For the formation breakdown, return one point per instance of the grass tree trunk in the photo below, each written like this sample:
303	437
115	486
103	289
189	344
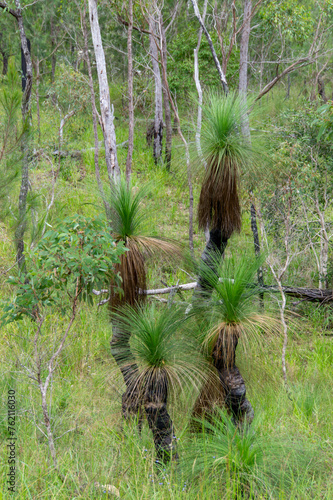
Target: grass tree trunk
224	356
158	119
159	421
107	117
212	253
131	401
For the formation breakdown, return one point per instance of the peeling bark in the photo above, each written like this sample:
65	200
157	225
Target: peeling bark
107	116
94	116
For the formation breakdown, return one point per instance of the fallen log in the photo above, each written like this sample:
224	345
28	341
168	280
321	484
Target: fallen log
307	294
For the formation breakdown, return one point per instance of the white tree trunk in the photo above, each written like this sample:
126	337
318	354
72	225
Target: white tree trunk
243	64
198	84
324	240
107	116
211	46
130	93
158	120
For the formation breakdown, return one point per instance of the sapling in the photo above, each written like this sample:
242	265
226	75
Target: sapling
64	267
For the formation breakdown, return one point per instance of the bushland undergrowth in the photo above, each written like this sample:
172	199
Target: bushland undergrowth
289	451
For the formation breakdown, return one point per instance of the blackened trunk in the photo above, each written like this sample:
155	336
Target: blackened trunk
224	355
158	119
120	350
211	255
24	65
321	89
256	242
159	421
4	63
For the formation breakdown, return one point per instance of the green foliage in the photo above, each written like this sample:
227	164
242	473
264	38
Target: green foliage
226	153
293	19
325	122
127	211
160	344
233	283
247	462
221	137
69	90
181	62
66	263
224	450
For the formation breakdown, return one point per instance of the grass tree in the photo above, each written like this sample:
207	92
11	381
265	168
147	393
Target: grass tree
161	357
232	317
130	226
250	463
225	153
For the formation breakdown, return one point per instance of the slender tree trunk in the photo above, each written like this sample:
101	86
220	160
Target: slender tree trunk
37	96
48	425
321	89
245	125
94	116
26	102
254	228
166	102
158	119
198	84
324	242
187	155
24	65
53	57
107	117
243	64
211	46
130	93
4	63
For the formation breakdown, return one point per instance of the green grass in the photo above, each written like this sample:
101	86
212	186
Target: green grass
86	387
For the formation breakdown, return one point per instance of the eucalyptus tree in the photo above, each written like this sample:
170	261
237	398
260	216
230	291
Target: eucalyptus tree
17	13
155	56
107	112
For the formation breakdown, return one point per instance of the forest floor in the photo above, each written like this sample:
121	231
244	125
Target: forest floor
99	455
